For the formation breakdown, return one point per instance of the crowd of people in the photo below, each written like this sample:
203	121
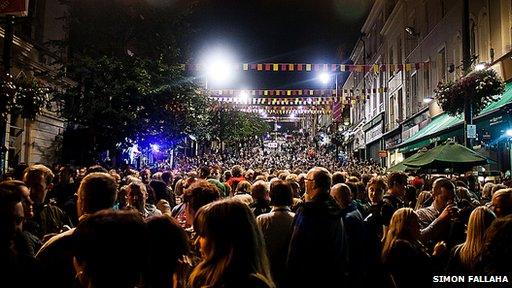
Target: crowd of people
287	218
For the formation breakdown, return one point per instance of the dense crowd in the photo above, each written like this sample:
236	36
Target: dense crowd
287	218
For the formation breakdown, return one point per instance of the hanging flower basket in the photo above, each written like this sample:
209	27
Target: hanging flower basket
31	97
479	88
7	95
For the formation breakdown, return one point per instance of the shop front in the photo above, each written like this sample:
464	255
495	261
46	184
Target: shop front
373	131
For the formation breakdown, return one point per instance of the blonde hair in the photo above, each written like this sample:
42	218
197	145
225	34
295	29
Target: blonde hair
422	197
399	228
479	220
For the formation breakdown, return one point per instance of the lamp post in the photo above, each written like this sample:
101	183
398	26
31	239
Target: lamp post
466	64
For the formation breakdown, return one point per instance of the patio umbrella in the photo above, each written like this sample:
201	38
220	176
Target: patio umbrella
449	155
402	166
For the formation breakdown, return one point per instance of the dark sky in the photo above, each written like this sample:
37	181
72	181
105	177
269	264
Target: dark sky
314	31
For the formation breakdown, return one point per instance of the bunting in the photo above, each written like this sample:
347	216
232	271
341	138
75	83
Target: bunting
309	67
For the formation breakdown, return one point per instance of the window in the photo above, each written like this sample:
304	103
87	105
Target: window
399	45
414	92
392	121
400	105
442	66
472	37
381	91
391	61
426	78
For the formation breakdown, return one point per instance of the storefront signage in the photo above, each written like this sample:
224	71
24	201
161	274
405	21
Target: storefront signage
383	153
374	133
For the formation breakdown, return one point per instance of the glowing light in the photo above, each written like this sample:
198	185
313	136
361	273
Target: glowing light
155	148
244	97
508	132
325	78
480	66
427	100
219	65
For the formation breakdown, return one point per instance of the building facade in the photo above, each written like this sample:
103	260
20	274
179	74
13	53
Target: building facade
33	55
401	33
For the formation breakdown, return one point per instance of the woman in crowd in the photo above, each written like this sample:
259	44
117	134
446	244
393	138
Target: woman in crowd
232	246
464	256
403	255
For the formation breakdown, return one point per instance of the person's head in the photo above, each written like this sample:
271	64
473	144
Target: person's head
376	188
342	194
318	181
404	225
479	220
497	250
38	179
160	190
443	193
197	195
204	172
396	183
502	202
167	177
249	174
487	190
11	216
231	244
22	189
337	177
96	168
243	187
137	195
168	242
236	171
422	198
281	193
110	249
259	191
96	192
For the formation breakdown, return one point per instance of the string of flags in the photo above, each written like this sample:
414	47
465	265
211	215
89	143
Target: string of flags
293	92
309	67
286	110
276	101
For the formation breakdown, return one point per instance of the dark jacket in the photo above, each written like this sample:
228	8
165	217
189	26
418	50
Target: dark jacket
409	265
317	253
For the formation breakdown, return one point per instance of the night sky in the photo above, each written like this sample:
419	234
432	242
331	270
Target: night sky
314	31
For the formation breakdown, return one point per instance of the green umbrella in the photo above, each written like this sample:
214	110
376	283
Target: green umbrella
402	166
449	155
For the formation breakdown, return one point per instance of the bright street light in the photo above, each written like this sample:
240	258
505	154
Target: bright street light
219	67
324	77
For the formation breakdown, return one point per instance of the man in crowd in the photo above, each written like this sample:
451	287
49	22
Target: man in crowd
48	218
96	192
393	199
434	220
317	256
277	228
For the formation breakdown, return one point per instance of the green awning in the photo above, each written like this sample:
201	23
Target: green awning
443	126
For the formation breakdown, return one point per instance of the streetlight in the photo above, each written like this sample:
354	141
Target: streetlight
324	78
219	67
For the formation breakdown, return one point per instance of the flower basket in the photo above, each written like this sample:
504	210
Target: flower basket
30	98
7	95
479	88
